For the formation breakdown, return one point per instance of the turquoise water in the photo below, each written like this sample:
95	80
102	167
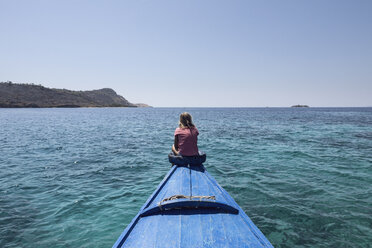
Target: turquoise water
76	177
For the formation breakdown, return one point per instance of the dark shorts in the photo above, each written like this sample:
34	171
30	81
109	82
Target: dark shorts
187	160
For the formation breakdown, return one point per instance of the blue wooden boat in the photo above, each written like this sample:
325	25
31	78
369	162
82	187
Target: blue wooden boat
190	209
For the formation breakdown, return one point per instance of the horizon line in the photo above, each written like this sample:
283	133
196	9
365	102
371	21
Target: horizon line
263	107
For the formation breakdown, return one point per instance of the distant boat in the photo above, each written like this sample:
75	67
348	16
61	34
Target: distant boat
190	209
300	106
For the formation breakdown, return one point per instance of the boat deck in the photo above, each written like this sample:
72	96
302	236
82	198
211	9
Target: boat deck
191	222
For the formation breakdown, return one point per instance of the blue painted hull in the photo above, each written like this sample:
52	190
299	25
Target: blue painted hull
214	220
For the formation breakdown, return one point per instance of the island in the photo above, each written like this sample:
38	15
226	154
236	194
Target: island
299	106
142	105
14	95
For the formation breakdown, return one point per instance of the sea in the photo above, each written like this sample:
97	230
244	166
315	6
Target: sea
75	177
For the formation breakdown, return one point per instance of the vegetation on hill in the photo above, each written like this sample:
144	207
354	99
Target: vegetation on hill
37	96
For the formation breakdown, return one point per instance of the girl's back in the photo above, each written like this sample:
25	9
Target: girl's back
186	137
187	141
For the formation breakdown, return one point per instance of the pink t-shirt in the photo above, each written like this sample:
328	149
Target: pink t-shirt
187	141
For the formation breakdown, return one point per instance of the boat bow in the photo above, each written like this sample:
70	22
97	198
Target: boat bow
190	209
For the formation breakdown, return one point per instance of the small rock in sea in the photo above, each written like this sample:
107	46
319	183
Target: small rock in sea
300	106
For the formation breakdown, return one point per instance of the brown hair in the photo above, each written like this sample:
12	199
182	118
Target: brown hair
186	121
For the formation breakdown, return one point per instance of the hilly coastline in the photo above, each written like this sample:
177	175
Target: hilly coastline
37	96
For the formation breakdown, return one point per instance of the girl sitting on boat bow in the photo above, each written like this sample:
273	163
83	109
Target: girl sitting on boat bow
186	137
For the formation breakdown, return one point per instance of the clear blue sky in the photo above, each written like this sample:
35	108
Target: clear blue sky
205	53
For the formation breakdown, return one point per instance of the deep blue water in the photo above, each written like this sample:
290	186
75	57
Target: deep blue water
76	177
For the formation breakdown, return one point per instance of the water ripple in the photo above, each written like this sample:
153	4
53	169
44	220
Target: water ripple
76	177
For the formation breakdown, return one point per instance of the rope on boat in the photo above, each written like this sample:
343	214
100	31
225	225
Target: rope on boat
175	197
